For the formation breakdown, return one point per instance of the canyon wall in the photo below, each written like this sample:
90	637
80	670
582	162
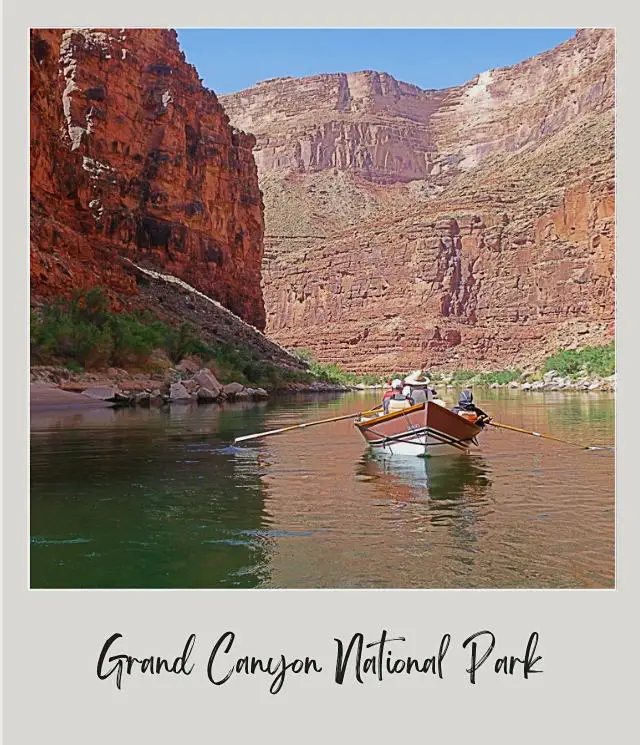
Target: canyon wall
132	157
365	122
389	131
471	227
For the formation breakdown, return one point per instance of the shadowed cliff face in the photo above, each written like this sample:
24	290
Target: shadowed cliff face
132	156
467	227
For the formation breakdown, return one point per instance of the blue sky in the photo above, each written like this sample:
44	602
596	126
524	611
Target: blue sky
231	59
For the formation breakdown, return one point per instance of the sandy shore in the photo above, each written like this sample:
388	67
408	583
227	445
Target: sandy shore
49	397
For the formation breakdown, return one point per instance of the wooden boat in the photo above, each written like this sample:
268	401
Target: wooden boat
424	429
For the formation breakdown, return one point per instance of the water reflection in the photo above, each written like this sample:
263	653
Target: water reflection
447	492
145	498
443	477
162	498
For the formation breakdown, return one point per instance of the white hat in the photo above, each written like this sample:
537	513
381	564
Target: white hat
417	378
397	383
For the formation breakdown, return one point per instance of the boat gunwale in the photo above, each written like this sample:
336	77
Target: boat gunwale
388	417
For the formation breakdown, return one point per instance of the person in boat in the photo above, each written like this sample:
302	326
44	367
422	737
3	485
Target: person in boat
396	401
465	405
388	393
418	387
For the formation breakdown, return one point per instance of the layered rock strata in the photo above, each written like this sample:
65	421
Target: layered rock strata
488	243
132	156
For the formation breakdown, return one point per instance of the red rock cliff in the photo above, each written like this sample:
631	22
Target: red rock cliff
472	227
132	156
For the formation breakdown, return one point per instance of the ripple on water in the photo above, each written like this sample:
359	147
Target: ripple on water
169	501
37	540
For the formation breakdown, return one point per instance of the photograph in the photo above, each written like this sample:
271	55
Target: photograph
322	308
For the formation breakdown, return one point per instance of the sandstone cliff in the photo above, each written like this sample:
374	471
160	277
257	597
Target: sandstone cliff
132	157
471	227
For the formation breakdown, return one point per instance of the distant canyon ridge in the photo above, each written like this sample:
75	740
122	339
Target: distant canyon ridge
466	227
380	225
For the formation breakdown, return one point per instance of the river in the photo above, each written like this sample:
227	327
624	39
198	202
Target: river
159	498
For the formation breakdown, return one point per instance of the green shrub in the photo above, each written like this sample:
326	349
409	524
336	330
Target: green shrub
501	377
333	373
84	332
133	339
599	360
184	341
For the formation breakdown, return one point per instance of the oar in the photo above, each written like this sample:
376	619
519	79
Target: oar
547	437
295	426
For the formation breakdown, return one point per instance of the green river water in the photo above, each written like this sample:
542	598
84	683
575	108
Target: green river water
160	498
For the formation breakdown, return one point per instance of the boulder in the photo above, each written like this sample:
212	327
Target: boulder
242	395
526	386
260	393
189	365
102	393
142	399
206	379
191	385
514	384
548	376
206	395
123	399
537	385
232	389
179	393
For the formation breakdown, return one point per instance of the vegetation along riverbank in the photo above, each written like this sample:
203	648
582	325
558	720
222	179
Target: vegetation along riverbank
80	346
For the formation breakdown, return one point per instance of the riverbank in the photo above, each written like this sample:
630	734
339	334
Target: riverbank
45	396
57	386
549	381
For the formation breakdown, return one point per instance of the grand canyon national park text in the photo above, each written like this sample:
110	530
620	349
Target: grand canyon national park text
356	658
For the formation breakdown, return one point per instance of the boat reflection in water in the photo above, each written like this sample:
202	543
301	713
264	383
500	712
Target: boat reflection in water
450	477
446	492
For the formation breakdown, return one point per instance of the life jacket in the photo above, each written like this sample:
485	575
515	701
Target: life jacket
398	403
470	416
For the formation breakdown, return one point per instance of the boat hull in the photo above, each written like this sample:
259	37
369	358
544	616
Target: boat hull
422	430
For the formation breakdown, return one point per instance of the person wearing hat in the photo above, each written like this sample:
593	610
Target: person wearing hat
396	401
418	383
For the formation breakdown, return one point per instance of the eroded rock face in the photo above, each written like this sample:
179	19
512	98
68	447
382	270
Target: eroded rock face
472	227
366	122
389	131
132	156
